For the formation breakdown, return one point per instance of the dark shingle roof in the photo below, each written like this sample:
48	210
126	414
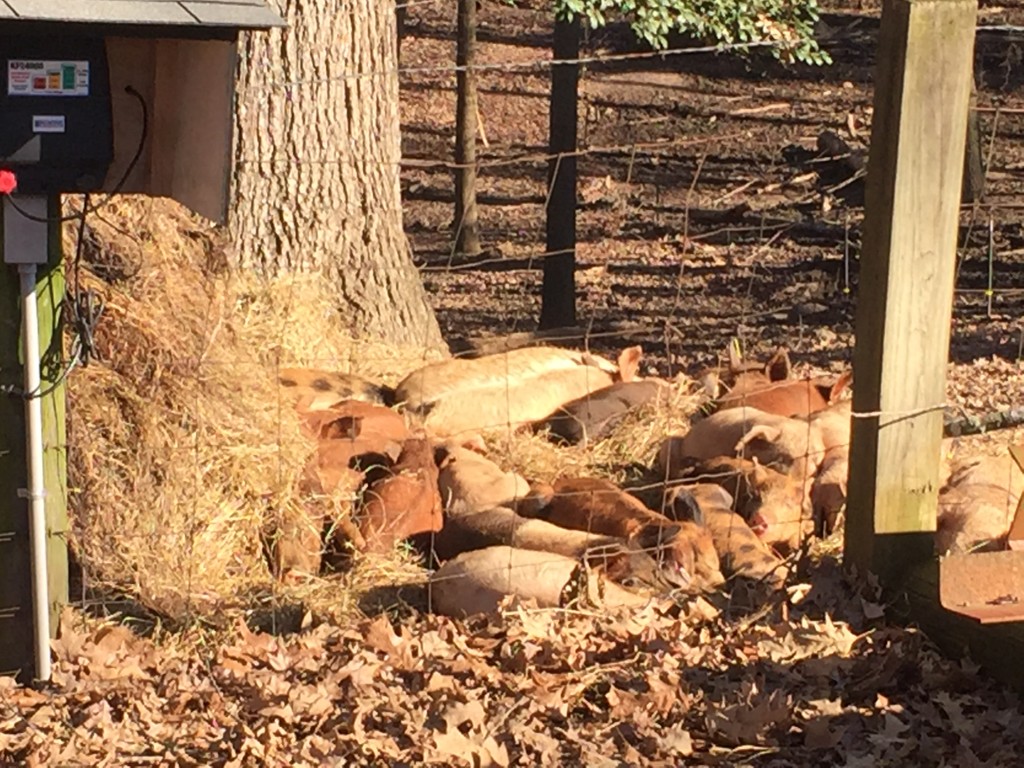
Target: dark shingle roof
247	14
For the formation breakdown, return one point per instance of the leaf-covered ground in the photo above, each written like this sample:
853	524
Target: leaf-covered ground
818	680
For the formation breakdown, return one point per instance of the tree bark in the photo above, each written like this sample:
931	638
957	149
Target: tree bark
401	9
467	230
317	150
558	293
974	166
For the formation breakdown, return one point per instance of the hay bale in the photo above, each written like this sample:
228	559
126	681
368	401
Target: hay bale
180	444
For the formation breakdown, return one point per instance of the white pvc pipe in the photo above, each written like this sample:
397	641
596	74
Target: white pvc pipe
36	488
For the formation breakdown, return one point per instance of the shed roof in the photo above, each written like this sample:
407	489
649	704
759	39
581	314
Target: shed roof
247	14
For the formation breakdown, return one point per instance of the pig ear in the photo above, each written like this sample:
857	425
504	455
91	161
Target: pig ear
654	536
759	474
711	383
610	556
537	501
841	385
778	367
629	362
442	457
474	442
683	506
342	428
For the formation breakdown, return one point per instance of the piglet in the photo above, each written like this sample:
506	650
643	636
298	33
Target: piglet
318	389
741	552
775	506
599	506
978	504
592	417
477	581
788	445
404	502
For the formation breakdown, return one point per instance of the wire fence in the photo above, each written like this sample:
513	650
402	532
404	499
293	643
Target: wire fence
190	463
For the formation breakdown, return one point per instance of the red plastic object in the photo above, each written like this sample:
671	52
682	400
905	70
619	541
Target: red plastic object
8	182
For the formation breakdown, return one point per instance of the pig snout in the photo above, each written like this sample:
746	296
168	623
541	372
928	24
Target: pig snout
784	531
759	524
677	574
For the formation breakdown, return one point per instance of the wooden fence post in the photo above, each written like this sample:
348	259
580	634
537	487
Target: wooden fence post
558	291
904	298
16	641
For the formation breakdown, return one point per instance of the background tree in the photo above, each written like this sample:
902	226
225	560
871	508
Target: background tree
558	291
317	155
973	188
467	228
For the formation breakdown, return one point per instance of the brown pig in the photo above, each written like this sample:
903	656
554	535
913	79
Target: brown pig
775	506
348	434
599	506
742	553
978	504
405	501
770	387
482	502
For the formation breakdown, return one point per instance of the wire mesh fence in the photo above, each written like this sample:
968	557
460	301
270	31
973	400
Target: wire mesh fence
713	204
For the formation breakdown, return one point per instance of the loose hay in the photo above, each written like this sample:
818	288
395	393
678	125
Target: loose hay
183	453
634	441
180	443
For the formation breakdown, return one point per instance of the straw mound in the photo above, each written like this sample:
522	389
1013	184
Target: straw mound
180	446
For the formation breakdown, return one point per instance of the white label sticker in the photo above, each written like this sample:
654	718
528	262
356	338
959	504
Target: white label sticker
32	77
47	123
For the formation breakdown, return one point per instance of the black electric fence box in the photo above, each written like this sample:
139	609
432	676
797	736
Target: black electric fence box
56	125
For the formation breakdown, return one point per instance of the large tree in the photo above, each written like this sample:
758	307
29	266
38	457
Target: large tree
317	155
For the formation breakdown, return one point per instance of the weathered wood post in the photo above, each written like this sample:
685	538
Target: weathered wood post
904	300
16	626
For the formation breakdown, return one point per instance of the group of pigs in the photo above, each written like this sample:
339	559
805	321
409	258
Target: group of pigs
733	498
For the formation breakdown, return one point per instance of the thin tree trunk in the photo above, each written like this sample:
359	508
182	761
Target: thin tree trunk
401	8
974	167
467	232
316	185
558	294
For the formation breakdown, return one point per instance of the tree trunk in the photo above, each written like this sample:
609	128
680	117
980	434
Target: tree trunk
316	183
974	167
558	294
467	231
401	8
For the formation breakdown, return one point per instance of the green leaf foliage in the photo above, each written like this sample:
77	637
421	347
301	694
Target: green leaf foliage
786	26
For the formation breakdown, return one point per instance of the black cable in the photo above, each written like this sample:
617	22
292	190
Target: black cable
117	187
84	310
85	307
